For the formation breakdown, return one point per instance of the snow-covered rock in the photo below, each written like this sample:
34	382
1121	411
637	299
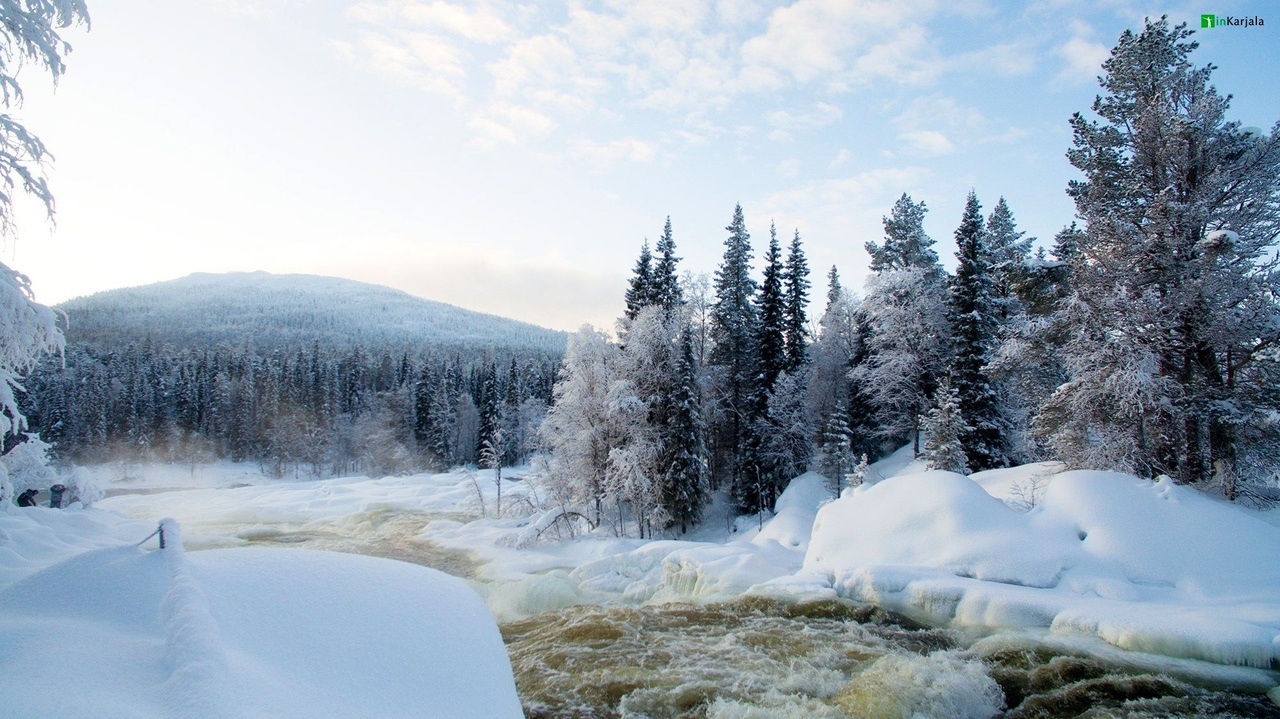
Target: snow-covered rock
1148	566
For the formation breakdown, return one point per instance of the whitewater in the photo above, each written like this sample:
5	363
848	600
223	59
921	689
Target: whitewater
1019	592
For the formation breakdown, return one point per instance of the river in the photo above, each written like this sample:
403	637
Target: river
756	658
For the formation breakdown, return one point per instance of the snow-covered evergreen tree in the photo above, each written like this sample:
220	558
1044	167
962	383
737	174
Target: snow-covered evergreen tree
770	317
684	492
734	357
905	242
974	327
640	288
785	433
666	280
1008	249
1173	315
909	335
944	428
835	458
795	287
642	401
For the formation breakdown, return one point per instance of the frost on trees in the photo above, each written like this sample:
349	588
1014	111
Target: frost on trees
579	425
28	330
906	312
974	326
734	361
944	429
1172	365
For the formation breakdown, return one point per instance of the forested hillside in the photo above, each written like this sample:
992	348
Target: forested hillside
299	373
282	311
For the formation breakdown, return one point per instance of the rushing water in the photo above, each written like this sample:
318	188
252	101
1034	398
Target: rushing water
388	533
755	658
758	659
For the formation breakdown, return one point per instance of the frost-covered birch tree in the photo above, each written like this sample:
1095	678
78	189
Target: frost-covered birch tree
578	429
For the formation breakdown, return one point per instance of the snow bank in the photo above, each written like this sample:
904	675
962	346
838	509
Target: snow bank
297	633
1146	566
197	684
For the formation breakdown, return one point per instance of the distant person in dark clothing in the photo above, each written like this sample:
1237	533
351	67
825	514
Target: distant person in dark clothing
55	496
28	498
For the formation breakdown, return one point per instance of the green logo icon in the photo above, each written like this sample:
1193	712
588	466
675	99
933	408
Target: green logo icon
1208	21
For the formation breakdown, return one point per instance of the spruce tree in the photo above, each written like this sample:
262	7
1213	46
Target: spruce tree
640	289
906	311
835	453
834	289
733	322
666	281
1009	249
943	428
796	292
771	314
489	405
685	489
974	334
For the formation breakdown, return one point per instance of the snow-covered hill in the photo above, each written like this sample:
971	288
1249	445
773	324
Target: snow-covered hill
271	311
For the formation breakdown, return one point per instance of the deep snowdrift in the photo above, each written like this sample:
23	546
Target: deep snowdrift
1146	566
125	632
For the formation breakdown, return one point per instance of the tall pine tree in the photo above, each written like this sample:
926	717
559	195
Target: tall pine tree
1173	313
796	286
974	335
640	289
770	312
685	488
734	355
666	282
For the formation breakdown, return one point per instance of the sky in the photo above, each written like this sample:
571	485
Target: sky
511	157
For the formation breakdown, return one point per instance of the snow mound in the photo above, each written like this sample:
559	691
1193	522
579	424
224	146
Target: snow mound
807	492
297	633
1146	566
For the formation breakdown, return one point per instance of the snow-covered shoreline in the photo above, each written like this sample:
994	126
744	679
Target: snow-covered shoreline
1102	563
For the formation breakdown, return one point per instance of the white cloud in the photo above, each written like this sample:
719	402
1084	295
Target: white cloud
819	116
845	44
504	122
929	142
417	60
606	154
481	23
585	67
1082	57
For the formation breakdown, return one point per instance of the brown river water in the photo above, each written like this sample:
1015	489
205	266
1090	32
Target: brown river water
758	659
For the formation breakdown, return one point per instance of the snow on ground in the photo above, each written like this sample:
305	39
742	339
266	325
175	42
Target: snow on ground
1063	556
121	631
1146	566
